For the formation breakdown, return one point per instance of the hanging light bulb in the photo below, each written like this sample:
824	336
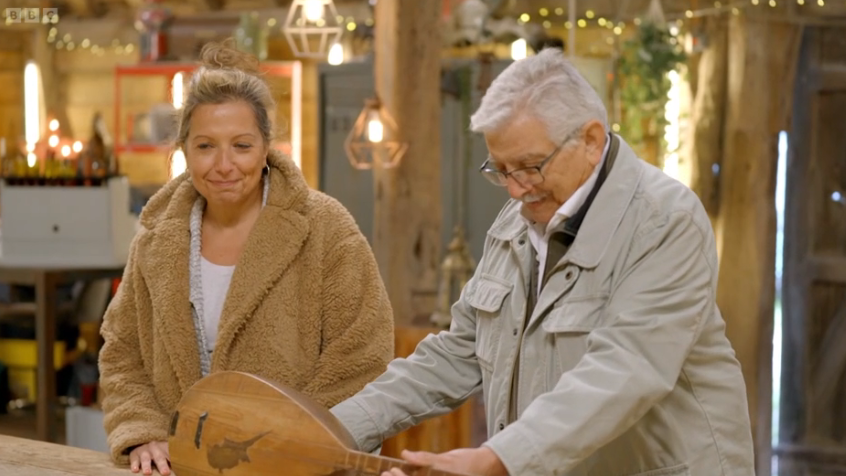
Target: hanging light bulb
313	10
375	130
519	49
336	54
312	27
374	139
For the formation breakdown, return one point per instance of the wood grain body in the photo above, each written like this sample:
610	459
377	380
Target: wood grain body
237	424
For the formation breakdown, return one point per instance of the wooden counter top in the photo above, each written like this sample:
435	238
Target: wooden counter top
23	457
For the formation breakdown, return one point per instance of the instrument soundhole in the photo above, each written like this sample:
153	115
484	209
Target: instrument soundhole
199	433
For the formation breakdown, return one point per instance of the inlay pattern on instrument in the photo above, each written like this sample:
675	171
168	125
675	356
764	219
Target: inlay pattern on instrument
237	424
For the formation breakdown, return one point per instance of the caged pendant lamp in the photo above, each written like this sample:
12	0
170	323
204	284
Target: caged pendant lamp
374	138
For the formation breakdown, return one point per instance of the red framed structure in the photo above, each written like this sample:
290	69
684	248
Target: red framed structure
285	69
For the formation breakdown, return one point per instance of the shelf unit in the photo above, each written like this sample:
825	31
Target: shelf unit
282	69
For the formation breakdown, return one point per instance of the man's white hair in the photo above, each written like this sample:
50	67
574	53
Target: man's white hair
546	86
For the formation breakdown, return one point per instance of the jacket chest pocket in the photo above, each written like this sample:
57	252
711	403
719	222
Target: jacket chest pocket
488	299
567	327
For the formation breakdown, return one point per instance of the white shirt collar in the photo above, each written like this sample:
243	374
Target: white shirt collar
571	206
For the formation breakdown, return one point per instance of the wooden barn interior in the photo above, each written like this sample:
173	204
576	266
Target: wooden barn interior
744	101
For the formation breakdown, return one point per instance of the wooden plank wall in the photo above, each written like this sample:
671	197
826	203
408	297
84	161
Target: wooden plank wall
11	87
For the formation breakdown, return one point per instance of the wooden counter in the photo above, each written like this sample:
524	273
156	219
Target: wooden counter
22	457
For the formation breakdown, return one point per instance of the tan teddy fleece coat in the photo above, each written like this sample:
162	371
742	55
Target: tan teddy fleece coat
306	307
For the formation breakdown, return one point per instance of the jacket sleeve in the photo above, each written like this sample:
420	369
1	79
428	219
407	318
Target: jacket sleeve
132	414
437	378
357	323
656	314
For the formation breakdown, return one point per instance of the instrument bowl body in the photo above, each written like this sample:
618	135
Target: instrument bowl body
237	424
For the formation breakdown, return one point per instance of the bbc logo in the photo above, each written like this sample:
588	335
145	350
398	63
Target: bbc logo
31	15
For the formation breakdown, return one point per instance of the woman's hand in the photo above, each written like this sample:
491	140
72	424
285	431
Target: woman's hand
144	457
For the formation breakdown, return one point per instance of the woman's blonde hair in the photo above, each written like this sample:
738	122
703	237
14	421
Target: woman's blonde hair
227	74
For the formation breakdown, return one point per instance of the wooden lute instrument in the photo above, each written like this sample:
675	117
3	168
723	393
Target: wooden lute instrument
237	424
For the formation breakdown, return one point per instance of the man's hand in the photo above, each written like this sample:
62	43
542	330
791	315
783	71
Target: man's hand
144	457
476	462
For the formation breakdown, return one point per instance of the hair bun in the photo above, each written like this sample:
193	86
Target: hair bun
224	55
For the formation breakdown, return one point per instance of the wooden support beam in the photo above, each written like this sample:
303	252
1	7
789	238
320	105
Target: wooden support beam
705	135
757	110
407	216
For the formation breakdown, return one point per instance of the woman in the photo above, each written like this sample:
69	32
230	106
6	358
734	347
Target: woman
238	266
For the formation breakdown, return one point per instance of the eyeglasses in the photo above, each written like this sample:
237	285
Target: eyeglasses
525	176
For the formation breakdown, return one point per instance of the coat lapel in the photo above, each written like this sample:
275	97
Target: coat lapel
262	264
167	280
274	243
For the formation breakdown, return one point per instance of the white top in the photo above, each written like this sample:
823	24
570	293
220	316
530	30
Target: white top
216	279
539	234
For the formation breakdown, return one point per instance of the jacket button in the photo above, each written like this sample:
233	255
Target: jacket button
569	275
521	242
501	426
514	332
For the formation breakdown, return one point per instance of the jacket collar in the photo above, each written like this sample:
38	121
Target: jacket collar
592	227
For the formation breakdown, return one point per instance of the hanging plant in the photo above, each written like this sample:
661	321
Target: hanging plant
644	63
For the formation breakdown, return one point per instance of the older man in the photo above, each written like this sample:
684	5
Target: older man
590	324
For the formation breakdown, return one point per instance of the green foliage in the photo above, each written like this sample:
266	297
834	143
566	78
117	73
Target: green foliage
643	66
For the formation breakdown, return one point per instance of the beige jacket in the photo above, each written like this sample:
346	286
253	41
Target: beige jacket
624	366
306	307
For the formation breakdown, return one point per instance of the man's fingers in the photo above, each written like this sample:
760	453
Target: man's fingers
419	458
394	472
